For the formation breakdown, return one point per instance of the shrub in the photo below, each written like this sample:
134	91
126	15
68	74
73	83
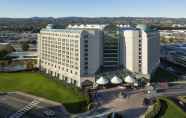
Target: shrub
76	107
25	46
5	50
153	110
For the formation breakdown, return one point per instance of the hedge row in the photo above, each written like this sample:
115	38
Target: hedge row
76	107
153	110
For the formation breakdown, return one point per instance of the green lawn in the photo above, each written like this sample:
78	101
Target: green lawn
170	110
37	84
162	75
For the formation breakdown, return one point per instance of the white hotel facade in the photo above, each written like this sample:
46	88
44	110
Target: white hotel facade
76	54
71	55
141	50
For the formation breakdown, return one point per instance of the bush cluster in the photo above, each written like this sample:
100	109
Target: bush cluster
154	110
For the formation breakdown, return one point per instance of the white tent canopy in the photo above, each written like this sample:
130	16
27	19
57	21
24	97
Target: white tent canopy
102	81
129	80
136	84
116	80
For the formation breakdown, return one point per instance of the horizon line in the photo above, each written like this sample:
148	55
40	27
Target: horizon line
94	17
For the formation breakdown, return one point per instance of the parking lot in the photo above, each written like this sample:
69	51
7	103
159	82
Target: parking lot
16	105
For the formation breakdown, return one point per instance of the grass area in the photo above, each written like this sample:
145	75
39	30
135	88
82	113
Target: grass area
37	84
162	75
169	109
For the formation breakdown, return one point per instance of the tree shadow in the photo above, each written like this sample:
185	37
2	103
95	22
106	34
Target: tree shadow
163	109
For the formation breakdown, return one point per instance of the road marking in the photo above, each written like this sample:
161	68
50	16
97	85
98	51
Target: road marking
25	109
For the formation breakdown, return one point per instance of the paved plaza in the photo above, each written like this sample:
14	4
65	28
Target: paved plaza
109	100
131	106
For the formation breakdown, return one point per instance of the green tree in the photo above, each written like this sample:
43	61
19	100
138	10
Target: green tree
5	50
25	46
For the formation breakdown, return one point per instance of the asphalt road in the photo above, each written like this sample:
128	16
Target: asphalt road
177	89
11	103
173	91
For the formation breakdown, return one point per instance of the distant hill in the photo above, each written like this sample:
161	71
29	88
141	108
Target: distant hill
34	24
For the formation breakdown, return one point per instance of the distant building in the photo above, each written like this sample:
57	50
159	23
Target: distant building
24	55
123	25
178	25
4	43
141	50
175	53
7	35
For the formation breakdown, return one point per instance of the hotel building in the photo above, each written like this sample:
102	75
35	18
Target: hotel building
141	50
111	43
76	53
73	55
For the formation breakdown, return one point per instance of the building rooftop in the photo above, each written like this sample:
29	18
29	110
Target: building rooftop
49	28
62	30
87	26
145	28
131	28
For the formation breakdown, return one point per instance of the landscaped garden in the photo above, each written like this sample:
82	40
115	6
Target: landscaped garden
169	109
38	85
164	108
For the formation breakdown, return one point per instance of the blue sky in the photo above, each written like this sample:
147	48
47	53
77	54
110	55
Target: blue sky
93	8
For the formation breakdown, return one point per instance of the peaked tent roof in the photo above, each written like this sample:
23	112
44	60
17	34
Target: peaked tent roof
129	79
102	81
116	80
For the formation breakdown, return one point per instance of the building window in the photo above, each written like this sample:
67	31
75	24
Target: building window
86	46
86	54
140	35
86	67
86	41
66	79
75	82
85	36
139	44
139	69
86	63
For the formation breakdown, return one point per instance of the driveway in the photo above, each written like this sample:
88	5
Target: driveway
110	101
